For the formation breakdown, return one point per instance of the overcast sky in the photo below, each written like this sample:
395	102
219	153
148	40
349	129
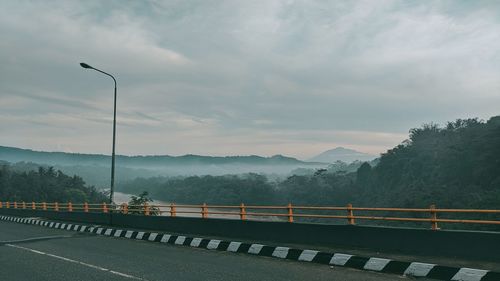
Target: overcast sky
242	77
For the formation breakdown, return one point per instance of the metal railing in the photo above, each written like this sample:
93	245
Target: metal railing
288	212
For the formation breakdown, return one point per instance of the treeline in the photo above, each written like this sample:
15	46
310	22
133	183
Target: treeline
454	166
322	188
230	189
44	185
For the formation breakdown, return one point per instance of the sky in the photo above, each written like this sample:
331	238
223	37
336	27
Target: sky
242	77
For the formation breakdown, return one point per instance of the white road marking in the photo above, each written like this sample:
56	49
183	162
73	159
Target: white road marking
307	255
139	235
78	262
195	242
180	240
469	274
419	269
280	252
340	259
376	264
233	246
255	249
152	236
213	244
165	238
36	239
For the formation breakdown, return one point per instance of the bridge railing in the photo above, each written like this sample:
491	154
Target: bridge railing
350	214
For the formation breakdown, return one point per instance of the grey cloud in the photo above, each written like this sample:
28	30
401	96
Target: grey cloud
146	116
247	75
56	100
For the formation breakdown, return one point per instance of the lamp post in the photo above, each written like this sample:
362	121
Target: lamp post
84	65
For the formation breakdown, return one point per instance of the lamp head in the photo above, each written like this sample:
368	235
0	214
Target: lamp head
84	65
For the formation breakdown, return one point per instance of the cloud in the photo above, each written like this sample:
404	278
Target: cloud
243	77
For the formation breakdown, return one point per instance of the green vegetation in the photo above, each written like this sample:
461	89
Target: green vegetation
230	189
455	166
137	204
44	185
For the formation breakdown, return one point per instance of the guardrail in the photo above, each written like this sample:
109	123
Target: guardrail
243	212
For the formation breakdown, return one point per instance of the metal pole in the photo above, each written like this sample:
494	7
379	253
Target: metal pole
112	190
113	155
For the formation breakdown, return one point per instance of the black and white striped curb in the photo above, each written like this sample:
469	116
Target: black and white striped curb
415	269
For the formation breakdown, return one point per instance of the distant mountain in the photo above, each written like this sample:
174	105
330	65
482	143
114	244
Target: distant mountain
13	154
341	154
94	168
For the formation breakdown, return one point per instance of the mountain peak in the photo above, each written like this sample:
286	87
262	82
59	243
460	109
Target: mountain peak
342	154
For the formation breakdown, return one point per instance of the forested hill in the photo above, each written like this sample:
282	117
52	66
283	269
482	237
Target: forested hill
457	165
14	155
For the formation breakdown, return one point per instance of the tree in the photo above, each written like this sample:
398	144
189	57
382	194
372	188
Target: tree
138	204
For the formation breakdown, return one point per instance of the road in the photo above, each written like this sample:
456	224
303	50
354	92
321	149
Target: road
65	255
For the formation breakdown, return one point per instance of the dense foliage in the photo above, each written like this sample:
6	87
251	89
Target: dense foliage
231	189
44	185
457	166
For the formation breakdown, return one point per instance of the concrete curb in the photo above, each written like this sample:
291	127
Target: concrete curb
415	269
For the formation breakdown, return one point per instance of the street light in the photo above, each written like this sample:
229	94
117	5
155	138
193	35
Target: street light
84	65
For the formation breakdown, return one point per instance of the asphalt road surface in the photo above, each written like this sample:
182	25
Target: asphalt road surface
30	252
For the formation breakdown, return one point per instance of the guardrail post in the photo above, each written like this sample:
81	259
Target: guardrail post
104	207
7	205
290	212
86	207
33	206
243	212
70	207
56	207
350	214
15	204
44	206
24	205
433	217
172	210
125	208
146	209
204	211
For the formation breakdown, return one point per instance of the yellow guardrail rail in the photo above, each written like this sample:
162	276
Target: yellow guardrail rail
244	212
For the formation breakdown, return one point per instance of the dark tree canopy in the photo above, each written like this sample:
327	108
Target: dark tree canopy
45	185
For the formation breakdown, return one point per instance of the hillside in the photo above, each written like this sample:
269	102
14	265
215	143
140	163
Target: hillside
12	154
457	165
